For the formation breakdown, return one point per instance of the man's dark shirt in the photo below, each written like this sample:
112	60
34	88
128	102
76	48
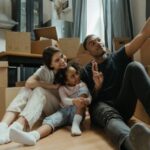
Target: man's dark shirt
113	69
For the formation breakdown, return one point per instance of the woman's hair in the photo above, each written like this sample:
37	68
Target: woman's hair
86	39
61	75
48	55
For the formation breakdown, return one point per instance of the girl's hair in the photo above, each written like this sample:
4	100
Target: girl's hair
61	76
48	55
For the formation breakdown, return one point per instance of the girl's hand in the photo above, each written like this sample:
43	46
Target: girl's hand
79	102
98	77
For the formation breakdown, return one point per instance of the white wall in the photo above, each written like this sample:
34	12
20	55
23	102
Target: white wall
138	14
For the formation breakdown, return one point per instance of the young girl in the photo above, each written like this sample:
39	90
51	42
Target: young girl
74	99
39	94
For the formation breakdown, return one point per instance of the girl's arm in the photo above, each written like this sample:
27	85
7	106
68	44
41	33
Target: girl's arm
64	97
86	96
67	101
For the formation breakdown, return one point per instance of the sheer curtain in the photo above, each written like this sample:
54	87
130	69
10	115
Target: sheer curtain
117	20
79	18
95	22
78	27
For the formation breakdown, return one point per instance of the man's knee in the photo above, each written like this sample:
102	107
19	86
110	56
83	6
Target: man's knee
102	113
135	66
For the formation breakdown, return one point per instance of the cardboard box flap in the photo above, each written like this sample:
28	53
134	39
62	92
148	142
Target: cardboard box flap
48	32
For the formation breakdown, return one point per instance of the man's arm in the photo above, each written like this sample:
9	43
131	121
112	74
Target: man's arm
139	40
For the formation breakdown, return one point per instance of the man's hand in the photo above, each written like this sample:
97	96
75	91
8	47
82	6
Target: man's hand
98	77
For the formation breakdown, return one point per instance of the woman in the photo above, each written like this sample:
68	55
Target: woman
39	94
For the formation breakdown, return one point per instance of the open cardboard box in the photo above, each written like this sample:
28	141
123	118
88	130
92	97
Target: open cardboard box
38	46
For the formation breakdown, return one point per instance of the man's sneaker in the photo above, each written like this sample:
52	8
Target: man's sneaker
140	137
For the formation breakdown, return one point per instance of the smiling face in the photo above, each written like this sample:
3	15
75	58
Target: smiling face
72	76
95	46
58	61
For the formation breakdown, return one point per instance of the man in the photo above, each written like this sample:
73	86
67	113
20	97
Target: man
115	83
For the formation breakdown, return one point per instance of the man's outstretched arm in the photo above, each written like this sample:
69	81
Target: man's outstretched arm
139	39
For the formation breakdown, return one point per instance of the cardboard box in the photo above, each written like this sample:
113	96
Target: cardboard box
37	47
3	73
47	32
7	95
18	41
145	53
83	59
120	41
15	41
69	46
82	56
140	113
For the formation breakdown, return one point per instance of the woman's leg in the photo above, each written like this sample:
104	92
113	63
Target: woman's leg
49	124
38	102
16	106
30	138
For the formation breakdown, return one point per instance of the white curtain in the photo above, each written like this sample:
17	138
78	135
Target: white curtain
95	21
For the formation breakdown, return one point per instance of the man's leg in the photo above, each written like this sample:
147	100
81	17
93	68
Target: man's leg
108	118
136	85
140	137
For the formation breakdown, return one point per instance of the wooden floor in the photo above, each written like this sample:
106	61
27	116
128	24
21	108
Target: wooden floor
90	139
